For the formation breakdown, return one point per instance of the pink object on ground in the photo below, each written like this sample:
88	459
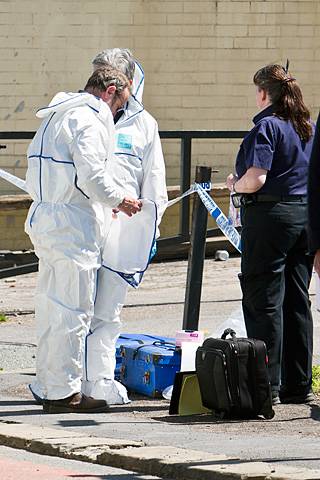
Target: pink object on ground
188	336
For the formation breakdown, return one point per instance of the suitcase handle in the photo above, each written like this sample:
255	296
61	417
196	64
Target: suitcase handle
228	331
156	343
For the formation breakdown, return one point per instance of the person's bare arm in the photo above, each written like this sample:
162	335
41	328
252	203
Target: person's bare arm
316	262
250	182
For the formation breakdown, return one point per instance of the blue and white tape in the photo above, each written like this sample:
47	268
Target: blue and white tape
206	186
201	188
221	220
191	190
18	182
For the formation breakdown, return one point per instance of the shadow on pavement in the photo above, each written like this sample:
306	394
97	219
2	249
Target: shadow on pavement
78	423
12	403
20	413
126	476
18	344
289	459
140	408
139	305
206	419
315	412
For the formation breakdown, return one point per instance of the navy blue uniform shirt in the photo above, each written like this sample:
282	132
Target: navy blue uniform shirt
274	145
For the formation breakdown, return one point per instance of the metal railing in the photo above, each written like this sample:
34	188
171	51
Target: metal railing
186	138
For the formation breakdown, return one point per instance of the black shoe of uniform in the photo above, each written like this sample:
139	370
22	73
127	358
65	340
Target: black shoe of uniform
275	397
296	397
76	403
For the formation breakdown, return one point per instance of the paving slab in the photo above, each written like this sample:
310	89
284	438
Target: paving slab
179	463
163	461
66	443
141	429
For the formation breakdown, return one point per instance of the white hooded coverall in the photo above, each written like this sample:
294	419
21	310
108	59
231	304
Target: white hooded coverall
138	167
67	181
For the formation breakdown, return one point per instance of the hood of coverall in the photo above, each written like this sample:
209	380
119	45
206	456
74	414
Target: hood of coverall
138	82
134	105
64	101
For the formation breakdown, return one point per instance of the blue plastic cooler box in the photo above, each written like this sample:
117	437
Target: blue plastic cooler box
135	340
148	363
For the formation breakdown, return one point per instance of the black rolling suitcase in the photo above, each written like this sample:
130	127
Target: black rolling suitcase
233	377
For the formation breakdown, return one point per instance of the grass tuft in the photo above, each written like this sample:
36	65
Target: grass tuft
316	378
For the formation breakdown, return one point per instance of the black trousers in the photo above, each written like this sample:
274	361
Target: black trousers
275	276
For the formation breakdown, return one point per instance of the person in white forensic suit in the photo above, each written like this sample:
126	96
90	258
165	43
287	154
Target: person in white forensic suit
69	184
138	166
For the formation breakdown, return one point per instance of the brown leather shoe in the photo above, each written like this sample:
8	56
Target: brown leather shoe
76	403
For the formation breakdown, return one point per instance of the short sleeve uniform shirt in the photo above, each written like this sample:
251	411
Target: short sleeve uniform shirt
274	145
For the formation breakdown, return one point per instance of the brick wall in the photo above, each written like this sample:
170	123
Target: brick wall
199	58
13	212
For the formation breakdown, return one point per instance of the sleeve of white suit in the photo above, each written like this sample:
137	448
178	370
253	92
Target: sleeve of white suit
88	150
154	174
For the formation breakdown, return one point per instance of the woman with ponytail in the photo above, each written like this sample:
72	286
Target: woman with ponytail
271	185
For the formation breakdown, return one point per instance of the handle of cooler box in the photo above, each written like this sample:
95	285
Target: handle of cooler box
161	342
228	331
157	338
141	341
130	338
156	343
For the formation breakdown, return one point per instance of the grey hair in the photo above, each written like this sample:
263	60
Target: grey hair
120	58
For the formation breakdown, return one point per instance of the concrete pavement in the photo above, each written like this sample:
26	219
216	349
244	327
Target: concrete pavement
142	436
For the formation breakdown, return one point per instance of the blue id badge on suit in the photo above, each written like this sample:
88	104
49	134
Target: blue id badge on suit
124	141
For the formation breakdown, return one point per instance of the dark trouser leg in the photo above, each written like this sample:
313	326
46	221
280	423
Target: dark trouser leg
265	241
297	321
262	309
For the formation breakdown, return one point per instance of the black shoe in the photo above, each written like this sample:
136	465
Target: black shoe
291	397
275	397
76	403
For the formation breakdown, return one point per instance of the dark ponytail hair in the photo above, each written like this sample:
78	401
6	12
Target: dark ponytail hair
286	97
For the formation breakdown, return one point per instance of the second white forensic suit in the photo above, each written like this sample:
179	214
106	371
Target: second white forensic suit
67	181
138	167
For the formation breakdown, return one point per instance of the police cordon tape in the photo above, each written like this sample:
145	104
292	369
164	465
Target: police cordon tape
18	182
214	210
